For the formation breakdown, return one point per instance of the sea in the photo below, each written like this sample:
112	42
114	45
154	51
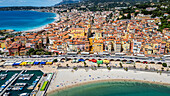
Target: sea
24	20
116	88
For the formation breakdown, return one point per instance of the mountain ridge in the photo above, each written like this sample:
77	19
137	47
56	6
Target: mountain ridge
67	2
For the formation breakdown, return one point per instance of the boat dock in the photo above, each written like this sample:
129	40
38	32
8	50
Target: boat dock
4	90
45	82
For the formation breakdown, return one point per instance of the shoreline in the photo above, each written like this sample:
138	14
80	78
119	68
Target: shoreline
40	28
56	18
65	79
108	80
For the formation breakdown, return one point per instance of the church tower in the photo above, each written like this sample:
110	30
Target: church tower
89	28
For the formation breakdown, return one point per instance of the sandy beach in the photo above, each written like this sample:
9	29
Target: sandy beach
66	78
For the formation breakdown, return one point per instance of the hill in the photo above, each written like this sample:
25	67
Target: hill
67	2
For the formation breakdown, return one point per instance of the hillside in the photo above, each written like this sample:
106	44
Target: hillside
104	1
67	2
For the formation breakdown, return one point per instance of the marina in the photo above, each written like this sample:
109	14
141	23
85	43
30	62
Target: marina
19	83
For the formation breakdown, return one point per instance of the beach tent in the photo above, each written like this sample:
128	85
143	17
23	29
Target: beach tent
94	60
36	63
42	63
23	63
106	61
16	64
81	60
49	63
99	62
30	63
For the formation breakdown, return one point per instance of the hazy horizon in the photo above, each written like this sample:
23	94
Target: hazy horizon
10	3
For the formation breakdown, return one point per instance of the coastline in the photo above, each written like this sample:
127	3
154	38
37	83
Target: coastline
108	80
66	79
38	28
56	18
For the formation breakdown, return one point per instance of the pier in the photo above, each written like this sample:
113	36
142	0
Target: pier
11	83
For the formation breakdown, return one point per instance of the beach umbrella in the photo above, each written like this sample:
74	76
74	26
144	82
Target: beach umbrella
36	63
81	60
99	62
42	63
106	61
94	60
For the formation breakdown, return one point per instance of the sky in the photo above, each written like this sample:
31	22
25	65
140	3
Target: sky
29	2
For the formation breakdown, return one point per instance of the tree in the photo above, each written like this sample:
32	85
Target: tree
109	68
56	53
129	16
67	65
110	15
30	51
84	64
162	69
146	67
136	13
134	66
55	60
160	72
126	69
164	65
38	53
98	65
75	68
121	65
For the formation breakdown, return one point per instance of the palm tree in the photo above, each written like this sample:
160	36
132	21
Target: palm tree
146	67
109	68
98	65
67	65
85	64
121	65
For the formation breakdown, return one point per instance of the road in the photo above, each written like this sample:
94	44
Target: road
128	58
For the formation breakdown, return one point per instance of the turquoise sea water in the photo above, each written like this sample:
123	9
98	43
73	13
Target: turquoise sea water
116	89
24	20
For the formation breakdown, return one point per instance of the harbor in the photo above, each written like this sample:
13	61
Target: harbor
24	82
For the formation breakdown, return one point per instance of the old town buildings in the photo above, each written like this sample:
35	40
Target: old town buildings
95	32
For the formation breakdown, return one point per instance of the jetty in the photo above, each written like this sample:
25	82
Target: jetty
11	83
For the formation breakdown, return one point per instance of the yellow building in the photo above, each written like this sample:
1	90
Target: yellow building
98	46
91	41
2	44
78	32
98	35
